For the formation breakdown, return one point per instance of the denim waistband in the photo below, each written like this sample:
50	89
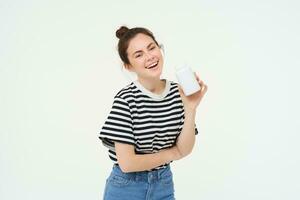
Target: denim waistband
143	175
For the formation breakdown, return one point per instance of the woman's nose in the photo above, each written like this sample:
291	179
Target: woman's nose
149	56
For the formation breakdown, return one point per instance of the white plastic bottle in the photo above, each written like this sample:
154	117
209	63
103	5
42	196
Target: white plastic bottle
187	80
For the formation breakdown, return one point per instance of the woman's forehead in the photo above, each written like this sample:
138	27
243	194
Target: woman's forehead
139	42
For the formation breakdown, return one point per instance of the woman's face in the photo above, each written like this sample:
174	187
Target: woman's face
145	57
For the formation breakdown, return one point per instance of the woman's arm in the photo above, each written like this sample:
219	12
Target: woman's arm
186	139
131	162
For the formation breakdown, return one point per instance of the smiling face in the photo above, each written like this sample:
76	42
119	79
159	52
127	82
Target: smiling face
145	57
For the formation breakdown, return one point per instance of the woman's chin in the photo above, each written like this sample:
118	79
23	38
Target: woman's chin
156	74
153	73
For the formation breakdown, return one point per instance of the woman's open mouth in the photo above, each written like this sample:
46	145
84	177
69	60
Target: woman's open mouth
153	65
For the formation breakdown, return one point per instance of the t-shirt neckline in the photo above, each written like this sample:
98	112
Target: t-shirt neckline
151	94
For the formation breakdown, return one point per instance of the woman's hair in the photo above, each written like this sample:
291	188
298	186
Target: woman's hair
125	35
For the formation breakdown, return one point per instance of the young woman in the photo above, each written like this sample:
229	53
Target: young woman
151	123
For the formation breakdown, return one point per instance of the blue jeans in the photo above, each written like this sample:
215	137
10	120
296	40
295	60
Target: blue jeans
145	185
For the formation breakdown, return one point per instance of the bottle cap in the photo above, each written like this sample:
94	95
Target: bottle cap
181	66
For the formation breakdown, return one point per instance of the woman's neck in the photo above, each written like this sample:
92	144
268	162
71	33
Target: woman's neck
155	86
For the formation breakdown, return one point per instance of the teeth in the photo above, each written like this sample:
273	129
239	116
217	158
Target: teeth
152	65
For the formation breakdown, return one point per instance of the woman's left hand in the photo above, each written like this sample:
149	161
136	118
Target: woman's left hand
191	102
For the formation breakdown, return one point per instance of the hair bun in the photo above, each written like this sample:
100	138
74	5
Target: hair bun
121	31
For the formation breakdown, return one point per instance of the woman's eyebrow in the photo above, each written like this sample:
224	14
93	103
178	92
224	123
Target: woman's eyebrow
138	51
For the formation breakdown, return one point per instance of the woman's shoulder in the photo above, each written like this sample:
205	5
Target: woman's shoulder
125	91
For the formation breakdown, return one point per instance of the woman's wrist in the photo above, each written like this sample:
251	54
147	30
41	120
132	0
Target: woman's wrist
189	112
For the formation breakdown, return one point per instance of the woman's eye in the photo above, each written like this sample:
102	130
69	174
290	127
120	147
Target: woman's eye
139	55
152	48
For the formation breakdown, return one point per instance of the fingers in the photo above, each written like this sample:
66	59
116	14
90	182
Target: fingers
197	77
201	83
203	88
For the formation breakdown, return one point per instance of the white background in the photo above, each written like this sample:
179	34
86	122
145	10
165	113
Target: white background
59	71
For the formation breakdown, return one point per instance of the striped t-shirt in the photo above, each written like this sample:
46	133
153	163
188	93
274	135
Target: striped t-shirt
148	121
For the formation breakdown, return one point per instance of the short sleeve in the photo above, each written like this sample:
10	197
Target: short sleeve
118	125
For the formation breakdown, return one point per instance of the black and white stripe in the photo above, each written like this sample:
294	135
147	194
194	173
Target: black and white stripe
148	122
